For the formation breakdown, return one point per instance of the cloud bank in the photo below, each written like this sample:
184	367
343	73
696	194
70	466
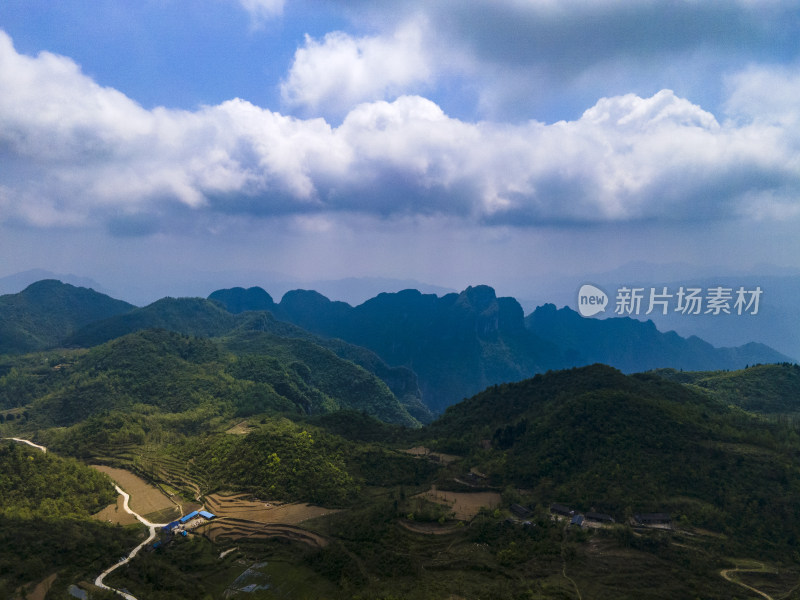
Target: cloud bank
77	154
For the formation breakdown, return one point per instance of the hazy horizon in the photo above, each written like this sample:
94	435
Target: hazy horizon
156	149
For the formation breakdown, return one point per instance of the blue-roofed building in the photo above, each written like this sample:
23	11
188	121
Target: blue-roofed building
170	526
206	515
188	517
577	520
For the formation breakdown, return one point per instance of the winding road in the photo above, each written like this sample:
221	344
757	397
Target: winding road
726	574
30	443
151	526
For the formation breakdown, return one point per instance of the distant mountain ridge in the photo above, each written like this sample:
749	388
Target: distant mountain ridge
458	344
431	351
632	345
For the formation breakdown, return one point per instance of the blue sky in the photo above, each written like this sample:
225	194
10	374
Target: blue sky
156	145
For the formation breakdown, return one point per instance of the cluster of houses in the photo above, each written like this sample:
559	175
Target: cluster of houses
186	522
183	525
594	519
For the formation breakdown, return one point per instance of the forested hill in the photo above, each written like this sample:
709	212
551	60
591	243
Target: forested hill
593	437
45	313
457	344
460	343
765	389
196	380
210	318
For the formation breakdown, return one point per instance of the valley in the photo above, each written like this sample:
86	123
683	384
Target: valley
321	481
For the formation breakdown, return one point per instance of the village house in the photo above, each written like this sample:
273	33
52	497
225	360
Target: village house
599	517
652	519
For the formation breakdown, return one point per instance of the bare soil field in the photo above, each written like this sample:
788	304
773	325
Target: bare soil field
465	505
429	528
234	530
145	498
41	589
239	507
114	513
423	452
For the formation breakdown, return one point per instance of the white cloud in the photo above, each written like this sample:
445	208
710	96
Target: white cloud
262	10
77	153
766	94
549	60
330	76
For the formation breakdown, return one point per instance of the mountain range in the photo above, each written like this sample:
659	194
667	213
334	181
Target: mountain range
430	350
252	408
458	344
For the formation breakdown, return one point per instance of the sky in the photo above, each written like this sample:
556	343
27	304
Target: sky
160	147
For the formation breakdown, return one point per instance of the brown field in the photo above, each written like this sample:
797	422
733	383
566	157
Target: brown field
145	498
465	505
238	507
234	530
429	528
114	513
423	452
41	589
240	517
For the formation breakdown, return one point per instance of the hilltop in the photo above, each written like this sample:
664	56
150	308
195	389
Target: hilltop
45	313
766	389
594	437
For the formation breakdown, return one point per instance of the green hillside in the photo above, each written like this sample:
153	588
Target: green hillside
189	316
590	438
766	389
593	437
209	318
45	503
156	373
45	313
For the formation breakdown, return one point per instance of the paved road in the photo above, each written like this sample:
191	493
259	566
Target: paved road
30	443
151	526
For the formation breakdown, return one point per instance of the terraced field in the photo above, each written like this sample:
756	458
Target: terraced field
228	530
465	505
240	506
146	499
180	476
239	517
